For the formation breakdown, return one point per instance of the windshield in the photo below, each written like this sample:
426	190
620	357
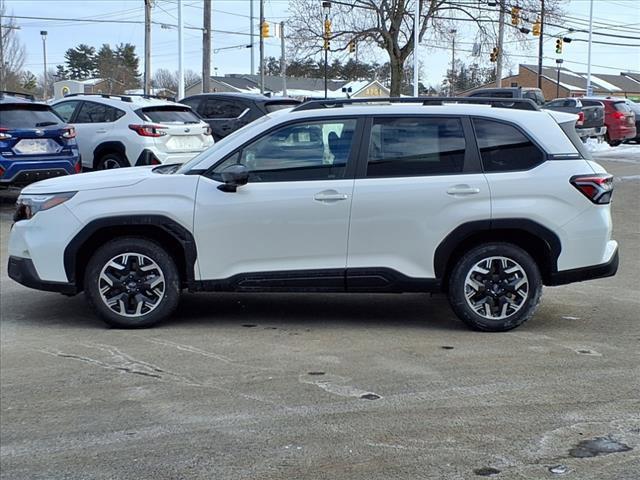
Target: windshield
27	116
168	114
218	145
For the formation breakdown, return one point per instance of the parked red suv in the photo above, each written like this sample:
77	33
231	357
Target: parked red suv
618	118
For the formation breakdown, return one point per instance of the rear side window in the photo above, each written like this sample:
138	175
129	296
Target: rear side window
504	148
27	116
91	112
168	114
214	108
66	109
273	106
405	147
621	107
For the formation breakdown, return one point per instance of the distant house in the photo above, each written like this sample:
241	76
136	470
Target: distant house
90	85
296	87
571	84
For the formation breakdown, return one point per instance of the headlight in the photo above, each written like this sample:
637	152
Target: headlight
28	205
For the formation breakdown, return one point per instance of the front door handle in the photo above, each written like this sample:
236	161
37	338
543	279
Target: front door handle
463	190
330	196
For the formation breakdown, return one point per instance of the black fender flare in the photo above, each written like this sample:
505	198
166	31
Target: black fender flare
104	147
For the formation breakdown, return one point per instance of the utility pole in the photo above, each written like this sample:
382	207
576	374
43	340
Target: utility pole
589	87
261	47
43	33
2	68
540	44
180	53
283	61
147	46
206	48
453	62
252	37
326	7
416	35
558	64
500	44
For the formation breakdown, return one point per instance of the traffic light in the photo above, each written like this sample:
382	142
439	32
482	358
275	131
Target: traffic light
536	28
264	29
493	56
559	45
515	16
327	28
352	46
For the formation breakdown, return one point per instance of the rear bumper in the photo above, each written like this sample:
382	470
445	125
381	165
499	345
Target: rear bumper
156	157
607	269
24	172
24	272
622	132
591	132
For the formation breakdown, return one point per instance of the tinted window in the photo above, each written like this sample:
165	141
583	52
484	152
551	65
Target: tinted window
506	94
213	108
303	151
403	147
97	113
66	109
504	148
27	116
556	103
168	114
621	107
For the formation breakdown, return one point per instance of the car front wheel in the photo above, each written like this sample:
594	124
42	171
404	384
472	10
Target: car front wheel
495	287
132	283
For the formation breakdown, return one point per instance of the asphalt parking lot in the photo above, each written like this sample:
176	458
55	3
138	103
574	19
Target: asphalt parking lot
329	386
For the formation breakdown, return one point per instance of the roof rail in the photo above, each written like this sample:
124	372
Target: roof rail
28	96
124	98
515	103
144	95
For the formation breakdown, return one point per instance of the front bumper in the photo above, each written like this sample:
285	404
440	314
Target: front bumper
607	269
24	272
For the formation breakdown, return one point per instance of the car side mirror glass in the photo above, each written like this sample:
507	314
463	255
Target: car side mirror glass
233	176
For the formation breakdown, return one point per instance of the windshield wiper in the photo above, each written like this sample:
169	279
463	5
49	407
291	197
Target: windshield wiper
46	124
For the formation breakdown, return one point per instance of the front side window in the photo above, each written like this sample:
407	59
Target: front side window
302	151
66	109
404	147
504	148
91	112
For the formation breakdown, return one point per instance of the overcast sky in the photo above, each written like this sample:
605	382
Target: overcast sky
233	15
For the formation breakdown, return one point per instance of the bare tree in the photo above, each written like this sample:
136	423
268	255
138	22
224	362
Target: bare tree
388	25
13	51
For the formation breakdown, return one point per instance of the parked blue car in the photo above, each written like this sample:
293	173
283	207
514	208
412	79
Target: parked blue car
35	143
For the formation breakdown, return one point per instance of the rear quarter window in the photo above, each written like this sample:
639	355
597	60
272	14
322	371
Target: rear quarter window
504	148
621	107
27	116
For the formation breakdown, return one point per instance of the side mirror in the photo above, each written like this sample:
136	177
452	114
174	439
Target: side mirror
233	176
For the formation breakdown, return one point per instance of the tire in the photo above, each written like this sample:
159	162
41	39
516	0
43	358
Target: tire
137	297
112	160
506	266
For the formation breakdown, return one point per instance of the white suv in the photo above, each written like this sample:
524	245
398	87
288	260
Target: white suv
486	204
131	130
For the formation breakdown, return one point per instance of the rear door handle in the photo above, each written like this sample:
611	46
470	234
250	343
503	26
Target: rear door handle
463	190
330	196
101	131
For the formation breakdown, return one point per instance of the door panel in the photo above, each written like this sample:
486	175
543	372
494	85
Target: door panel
421	182
292	216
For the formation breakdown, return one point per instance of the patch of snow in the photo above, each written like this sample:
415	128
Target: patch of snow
594	146
609	86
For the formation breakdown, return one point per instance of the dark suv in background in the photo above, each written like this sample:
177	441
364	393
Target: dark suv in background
227	112
534	94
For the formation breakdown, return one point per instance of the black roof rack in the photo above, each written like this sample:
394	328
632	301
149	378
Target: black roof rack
27	96
125	97
515	103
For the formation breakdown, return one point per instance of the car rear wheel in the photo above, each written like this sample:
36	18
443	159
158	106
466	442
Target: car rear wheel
112	160
132	283
495	287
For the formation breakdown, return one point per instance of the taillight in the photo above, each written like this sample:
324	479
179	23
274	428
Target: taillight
4	135
1	172
598	188
618	115
580	119
78	166
69	132
149	130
